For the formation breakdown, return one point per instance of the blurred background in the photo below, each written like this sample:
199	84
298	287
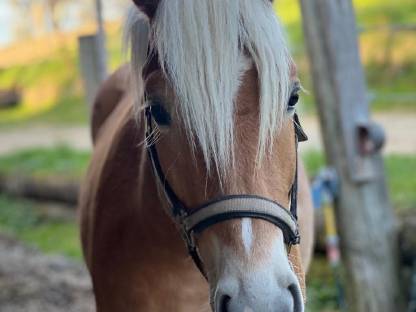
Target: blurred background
45	140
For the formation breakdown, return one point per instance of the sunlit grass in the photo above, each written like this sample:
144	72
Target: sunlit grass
45	85
52	89
368	12
389	60
35	101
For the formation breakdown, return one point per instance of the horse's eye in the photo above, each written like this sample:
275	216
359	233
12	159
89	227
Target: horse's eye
293	100
159	113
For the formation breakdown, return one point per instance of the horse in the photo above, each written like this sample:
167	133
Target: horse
195	198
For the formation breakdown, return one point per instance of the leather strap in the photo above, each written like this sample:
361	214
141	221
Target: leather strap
178	209
243	206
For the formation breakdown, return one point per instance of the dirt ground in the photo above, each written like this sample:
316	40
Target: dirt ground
33	282
44	136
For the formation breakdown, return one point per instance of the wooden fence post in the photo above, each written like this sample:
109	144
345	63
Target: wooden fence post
93	57
366	222
102	39
93	64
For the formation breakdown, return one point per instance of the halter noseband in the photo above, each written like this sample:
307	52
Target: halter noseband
226	207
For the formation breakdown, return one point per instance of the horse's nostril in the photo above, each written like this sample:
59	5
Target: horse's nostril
297	297
223	303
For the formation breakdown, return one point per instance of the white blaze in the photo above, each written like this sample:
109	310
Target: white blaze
247	234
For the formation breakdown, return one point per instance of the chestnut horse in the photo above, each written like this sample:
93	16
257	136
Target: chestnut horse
202	121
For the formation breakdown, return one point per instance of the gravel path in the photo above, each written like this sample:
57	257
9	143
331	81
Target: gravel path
400	133
44	136
32	282
400	129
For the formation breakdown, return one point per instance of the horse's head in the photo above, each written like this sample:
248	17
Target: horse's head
222	92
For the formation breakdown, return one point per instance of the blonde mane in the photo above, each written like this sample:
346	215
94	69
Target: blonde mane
201	46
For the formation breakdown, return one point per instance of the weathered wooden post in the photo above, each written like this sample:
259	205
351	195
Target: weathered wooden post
366	222
93	56
91	65
101	38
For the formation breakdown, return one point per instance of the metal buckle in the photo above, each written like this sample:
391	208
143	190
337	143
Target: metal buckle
301	135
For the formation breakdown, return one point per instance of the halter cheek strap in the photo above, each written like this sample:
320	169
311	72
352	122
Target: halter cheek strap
227	207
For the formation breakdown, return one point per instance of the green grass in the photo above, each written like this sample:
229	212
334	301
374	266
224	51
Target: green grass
60	161
70	109
314	161
54	237
322	287
24	220
51	91
387	73
372	12
400	175
52	88
65	163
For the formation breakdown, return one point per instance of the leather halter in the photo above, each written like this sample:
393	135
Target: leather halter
226	207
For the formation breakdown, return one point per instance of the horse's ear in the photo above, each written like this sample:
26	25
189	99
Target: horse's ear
148	7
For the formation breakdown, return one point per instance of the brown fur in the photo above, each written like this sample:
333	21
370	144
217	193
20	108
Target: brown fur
108	97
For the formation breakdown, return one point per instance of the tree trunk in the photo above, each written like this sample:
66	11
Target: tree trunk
367	226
